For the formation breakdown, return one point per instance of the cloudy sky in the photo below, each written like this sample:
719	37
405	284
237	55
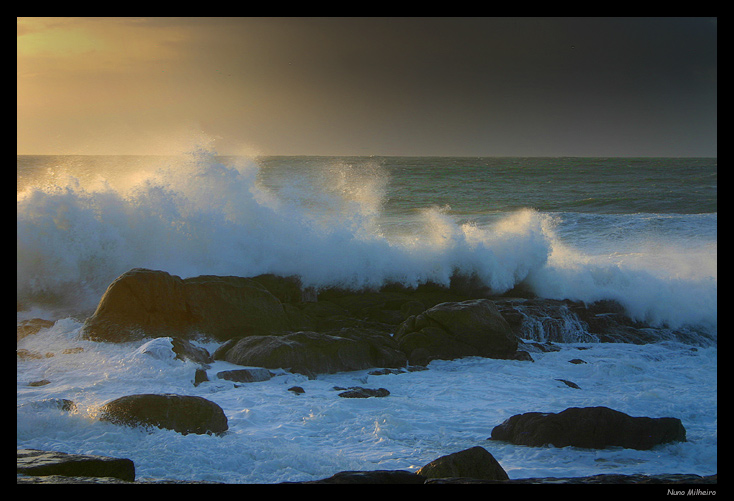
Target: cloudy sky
369	86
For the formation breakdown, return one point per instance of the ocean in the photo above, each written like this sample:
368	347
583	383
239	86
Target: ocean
640	231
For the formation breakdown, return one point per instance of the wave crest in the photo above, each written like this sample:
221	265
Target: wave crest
196	215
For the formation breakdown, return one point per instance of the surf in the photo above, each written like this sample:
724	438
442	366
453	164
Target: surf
334	222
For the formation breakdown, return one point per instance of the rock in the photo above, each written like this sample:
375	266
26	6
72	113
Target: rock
200	376
246	375
185	350
41	463
568	383
169	348
522	356
152	303
383	372
454	330
297	390
32	326
62	404
370	477
59	479
24	354
181	413
359	392
535	347
475	462
313	352
577	361
589	427
286	289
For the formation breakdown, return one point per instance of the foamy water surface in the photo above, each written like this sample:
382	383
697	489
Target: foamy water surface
641	232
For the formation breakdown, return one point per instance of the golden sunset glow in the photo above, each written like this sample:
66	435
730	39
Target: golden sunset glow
368	86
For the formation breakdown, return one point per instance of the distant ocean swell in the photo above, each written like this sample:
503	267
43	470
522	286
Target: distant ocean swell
330	227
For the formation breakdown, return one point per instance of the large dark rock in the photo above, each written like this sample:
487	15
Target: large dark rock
181	413
370	477
43	463
475	462
589	427
152	303
314	353
455	330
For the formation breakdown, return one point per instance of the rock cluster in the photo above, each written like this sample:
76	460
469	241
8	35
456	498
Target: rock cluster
264	322
269	322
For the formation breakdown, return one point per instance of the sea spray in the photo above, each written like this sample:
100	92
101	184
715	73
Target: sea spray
360	222
203	217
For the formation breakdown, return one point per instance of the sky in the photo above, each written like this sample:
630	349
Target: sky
368	86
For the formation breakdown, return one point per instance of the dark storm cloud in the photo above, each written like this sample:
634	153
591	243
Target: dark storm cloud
510	86
418	86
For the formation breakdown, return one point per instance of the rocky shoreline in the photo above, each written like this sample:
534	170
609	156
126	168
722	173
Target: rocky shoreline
471	466
273	323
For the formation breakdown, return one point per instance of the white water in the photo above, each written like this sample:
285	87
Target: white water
201	217
276	436
329	225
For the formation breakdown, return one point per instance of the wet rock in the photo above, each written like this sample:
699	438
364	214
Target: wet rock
568	383
200	376
589	427
359	392
181	413
246	375
454	330
156	304
185	350
42	463
41	382
311	353
32	326
475	462
370	477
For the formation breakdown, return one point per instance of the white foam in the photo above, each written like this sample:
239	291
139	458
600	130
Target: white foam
195	215
275	435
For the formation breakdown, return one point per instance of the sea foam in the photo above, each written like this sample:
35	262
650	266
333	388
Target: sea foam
194	214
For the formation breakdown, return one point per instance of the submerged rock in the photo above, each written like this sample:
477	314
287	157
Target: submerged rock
589	427
181	413
359	392
254	375
32	326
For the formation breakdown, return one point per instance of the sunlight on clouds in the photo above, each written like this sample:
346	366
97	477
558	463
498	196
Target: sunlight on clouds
47	45
35	38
